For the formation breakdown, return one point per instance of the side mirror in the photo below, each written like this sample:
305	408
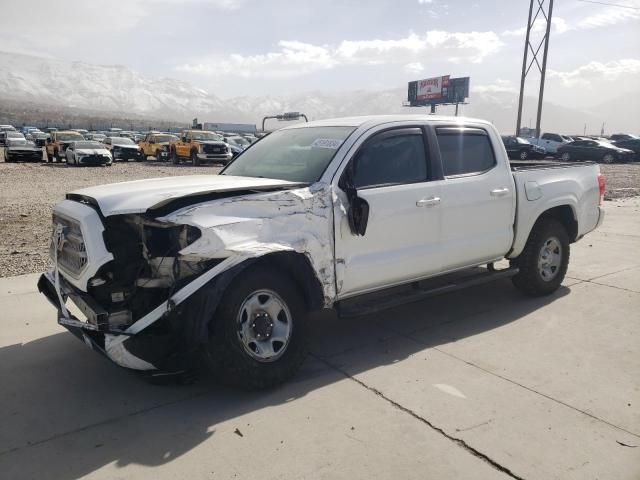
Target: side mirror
358	210
184	139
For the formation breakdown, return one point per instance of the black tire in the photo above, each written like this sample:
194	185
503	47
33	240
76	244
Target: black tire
194	158
608	158
225	354
158	156
523	155
530	279
565	156
7	158
174	157
49	157
56	156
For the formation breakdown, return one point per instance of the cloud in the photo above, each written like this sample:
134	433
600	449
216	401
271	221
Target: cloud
558	25
594	73
414	67
605	18
298	58
610	16
498	86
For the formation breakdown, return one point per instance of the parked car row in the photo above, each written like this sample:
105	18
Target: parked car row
192	145
616	148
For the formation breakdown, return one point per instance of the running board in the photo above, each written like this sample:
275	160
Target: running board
414	292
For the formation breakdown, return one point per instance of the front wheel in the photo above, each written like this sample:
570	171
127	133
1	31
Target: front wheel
259	334
194	158
524	154
566	156
607	158
158	156
543	262
174	157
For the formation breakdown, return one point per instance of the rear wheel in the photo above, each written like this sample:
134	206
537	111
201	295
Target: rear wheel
524	154
566	156
194	158
543	262
607	158
259	335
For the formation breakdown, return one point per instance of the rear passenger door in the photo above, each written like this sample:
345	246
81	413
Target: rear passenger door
478	201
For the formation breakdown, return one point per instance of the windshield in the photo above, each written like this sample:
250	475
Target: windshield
66	137
14	142
88	145
297	154
121	141
14	135
206	136
240	140
165	138
522	140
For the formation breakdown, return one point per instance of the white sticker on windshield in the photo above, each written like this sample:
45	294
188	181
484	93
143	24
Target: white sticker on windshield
331	143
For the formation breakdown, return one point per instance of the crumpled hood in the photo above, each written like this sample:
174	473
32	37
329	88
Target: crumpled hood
140	195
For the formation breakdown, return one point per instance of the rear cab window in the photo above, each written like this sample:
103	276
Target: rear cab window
465	151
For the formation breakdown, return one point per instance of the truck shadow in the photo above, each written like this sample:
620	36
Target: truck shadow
76	412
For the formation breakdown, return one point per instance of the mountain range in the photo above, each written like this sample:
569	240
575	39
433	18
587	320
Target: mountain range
116	89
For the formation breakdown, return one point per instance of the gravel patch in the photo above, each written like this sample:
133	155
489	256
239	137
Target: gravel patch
28	192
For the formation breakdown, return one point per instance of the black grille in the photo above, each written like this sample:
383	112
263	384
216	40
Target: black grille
214	149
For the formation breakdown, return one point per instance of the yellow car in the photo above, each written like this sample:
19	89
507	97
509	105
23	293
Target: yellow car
156	144
56	146
200	146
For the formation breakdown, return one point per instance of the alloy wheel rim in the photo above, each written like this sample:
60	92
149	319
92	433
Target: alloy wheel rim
264	325
550	259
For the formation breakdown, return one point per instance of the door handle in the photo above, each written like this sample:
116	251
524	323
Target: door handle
428	202
499	192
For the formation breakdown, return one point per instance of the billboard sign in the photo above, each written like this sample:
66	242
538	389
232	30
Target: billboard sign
432	88
438	90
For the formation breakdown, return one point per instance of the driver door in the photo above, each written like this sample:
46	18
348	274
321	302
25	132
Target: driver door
391	172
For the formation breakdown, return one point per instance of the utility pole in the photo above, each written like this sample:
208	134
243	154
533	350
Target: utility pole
544	10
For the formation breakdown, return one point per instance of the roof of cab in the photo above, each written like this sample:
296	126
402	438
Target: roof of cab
382	119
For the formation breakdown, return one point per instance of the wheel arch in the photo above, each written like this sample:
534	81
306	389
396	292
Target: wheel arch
566	215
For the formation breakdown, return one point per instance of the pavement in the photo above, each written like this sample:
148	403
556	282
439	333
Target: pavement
481	383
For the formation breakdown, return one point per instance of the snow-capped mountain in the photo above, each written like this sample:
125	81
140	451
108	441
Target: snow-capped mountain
117	89
99	87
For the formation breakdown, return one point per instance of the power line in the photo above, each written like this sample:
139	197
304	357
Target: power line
610	4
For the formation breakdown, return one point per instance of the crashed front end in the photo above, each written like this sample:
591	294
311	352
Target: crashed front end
116	271
147	285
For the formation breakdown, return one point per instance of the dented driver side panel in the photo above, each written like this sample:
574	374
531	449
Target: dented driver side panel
298	220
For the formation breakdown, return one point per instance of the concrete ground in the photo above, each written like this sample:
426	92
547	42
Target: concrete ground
481	383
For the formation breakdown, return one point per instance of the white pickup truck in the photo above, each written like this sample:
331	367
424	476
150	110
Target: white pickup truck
550	142
356	214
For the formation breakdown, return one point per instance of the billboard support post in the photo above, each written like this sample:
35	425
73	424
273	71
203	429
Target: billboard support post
546	15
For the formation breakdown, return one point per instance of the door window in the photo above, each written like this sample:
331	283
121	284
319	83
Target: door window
391	158
465	151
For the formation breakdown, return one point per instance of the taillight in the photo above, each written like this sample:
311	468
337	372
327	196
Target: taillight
601	186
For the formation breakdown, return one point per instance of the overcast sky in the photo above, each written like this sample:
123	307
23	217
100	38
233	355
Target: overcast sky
252	47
